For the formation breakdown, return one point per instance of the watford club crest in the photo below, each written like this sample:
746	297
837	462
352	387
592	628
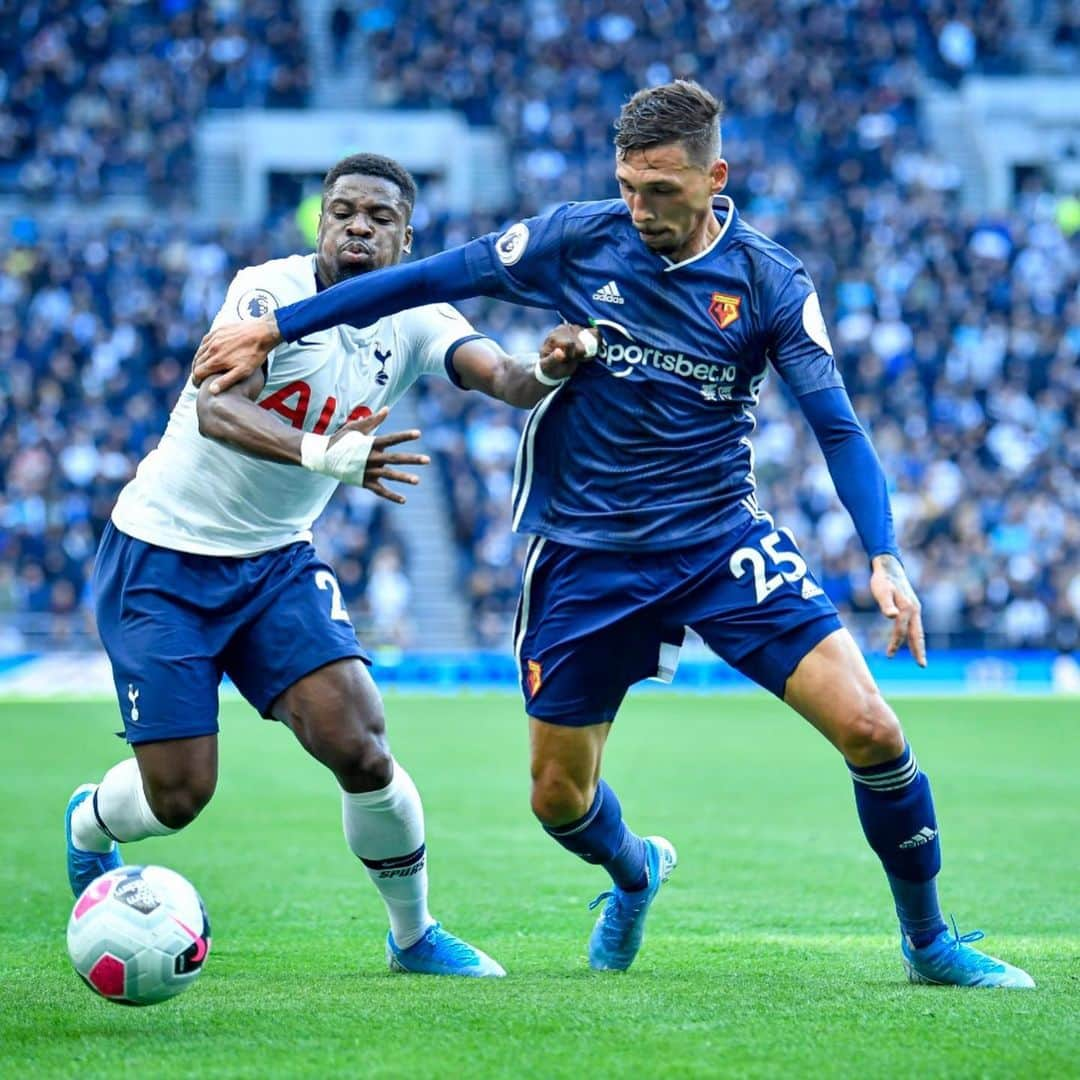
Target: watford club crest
534	677
724	309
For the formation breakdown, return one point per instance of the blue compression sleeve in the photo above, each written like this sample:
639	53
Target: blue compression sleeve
853	466
362	300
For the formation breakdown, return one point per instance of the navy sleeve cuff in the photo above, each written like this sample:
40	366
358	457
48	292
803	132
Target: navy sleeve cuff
448	359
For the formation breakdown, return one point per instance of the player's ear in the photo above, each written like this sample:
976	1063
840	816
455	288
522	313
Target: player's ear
719	173
406	246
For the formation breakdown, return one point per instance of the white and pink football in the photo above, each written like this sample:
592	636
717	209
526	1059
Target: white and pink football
139	935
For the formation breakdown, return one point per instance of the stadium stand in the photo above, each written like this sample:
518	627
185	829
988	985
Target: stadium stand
102	98
958	335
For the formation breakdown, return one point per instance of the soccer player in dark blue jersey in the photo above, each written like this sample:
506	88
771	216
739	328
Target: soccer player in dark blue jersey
635	480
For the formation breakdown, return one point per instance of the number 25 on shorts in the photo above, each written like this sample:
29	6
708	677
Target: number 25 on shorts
765	585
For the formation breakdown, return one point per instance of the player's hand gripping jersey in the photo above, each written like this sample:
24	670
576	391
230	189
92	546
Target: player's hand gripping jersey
196	495
657	427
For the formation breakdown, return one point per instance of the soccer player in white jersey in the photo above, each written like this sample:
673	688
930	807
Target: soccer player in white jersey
207	567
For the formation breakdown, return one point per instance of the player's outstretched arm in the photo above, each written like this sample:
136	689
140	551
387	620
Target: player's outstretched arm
353	454
521	266
522	381
234	351
860	483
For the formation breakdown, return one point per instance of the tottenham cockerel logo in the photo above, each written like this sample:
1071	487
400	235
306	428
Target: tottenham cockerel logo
382	377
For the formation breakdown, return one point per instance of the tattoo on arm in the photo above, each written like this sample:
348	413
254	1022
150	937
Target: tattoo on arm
894	571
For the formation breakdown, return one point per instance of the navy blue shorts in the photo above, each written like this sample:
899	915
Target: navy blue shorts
174	623
591	623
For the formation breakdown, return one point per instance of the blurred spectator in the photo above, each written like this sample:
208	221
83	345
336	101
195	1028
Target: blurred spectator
388	593
341	26
1065	34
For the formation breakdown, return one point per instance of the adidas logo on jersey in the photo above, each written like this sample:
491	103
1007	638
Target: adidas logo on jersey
609	294
923	836
810	590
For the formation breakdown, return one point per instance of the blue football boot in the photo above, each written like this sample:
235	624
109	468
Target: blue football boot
84	866
949	960
439	952
617	935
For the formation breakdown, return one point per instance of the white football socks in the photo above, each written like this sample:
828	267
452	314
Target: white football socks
385	831
122	807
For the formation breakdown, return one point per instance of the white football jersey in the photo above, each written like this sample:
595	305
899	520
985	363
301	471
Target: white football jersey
194	494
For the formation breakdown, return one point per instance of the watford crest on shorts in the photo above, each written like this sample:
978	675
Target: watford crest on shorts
534	676
724	309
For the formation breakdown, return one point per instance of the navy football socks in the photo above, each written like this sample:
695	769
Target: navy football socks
601	837
896	809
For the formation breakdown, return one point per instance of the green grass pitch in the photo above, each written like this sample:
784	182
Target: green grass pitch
771	953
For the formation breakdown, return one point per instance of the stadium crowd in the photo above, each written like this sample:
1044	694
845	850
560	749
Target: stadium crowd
797	76
102	97
959	338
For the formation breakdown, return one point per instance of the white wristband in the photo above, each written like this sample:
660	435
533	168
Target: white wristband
345	460
589	340
542	377
313	451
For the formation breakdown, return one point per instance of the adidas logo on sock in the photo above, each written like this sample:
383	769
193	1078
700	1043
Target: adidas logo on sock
609	293
923	836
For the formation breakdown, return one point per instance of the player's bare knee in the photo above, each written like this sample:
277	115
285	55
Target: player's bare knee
179	805
370	767
558	799
872	734
338	717
360	758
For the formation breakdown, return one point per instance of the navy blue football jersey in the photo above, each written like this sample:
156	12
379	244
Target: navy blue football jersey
648	446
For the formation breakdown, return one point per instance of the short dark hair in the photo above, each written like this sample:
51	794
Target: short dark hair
374	165
679	111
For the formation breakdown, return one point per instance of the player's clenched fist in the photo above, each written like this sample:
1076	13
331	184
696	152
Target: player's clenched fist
354	455
564	349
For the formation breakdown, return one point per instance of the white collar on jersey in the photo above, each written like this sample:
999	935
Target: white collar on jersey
728	219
